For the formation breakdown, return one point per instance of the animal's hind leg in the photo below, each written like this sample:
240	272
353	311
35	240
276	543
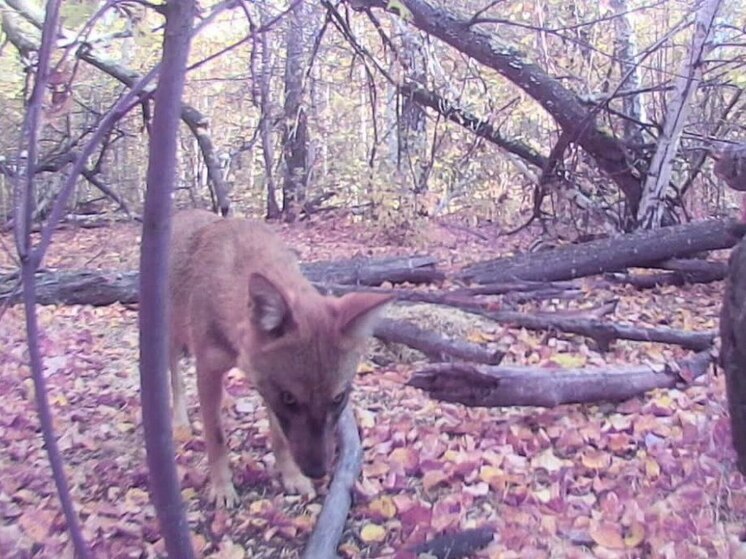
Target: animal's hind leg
179	410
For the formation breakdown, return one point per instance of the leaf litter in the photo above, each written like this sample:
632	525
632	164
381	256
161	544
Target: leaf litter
650	477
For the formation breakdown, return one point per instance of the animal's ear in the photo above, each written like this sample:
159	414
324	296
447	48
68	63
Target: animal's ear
359	313
270	311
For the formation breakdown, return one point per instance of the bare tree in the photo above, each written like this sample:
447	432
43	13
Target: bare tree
264	77
30	261
164	482
626	54
295	133
652	206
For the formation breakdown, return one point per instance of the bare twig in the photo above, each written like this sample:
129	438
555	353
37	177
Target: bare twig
329	527
24	199
433	344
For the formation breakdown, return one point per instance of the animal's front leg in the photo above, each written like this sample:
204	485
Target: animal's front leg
180	418
210	388
292	478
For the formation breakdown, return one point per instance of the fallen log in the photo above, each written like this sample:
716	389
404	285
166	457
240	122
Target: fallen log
586	323
455	545
487	386
639	249
733	352
679	272
101	288
432	344
602	332
327	532
367	271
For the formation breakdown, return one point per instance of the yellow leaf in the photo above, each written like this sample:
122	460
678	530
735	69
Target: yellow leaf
398	6
652	468
125	427
260	506
478	337
372	533
383	506
635	535
569	361
490	474
607	535
595	460
365	367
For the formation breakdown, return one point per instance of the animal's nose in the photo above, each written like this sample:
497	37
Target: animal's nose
314	470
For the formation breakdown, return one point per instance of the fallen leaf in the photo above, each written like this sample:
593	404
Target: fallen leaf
383	507
372	533
607	535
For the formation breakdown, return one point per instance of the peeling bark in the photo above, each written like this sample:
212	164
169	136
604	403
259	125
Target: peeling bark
487	386
660	170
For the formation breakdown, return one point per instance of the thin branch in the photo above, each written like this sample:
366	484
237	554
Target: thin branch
330	524
28	269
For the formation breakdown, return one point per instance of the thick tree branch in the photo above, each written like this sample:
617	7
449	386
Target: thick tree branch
483	385
564	105
480	127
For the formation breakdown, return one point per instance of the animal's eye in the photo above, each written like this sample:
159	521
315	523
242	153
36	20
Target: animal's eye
288	399
340	398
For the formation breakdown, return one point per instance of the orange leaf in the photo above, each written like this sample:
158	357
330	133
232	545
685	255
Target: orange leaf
607	535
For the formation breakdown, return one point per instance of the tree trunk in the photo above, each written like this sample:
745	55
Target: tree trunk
641	248
265	124
295	134
733	352
626	53
411	124
652	206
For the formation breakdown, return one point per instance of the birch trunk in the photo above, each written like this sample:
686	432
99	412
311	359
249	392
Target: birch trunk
652	205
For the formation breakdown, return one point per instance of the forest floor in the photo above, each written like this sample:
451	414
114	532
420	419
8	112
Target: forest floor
650	477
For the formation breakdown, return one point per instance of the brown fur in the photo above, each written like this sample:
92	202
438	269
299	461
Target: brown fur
238	299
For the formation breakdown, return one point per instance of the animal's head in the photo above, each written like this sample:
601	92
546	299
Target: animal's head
305	352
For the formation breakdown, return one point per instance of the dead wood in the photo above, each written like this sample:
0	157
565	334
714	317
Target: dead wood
456	544
586	322
370	271
733	353
327	533
639	249
506	287
483	385
432	344
602	332
100	288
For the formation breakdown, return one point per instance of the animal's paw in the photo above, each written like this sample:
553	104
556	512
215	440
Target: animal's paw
182	433
296	482
223	495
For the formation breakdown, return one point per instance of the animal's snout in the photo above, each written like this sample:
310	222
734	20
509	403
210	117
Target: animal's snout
314	470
